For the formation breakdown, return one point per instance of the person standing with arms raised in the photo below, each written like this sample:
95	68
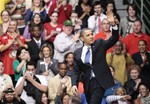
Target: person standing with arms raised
91	60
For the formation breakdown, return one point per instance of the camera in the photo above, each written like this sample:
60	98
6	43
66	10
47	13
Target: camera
30	73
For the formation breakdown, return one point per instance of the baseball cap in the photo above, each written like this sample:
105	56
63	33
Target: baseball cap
8	90
68	23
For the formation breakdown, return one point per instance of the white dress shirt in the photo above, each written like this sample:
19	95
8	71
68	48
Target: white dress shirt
64	44
83	55
93	22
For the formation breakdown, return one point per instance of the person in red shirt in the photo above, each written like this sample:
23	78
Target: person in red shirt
105	33
63	8
52	28
11	41
131	41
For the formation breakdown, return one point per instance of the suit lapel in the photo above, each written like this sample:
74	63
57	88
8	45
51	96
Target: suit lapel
93	51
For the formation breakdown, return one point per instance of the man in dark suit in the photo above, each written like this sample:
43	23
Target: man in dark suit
91	61
36	42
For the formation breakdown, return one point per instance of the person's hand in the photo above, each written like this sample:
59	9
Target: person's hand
46	73
42	9
124	52
138	81
16	96
64	80
113	52
110	18
74	90
53	32
126	97
76	36
15	35
29	76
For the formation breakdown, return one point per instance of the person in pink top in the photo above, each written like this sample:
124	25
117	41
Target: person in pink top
131	41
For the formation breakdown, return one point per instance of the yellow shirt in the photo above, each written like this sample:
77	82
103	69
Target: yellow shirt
2	7
119	62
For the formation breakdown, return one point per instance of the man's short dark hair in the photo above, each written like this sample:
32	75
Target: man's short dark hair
30	63
97	3
60	63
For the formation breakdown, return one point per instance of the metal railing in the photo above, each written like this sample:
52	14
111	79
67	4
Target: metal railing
144	13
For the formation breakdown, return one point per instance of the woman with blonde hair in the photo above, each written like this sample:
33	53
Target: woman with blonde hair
36	8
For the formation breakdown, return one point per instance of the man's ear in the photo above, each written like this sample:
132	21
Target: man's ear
81	38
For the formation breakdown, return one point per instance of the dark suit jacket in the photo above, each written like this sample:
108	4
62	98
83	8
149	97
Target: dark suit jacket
145	71
34	50
41	67
99	64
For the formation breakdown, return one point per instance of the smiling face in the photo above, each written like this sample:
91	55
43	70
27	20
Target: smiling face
44	98
143	90
118	47
5	16
12	26
142	46
36	3
46	52
134	74
70	59
120	91
54	17
66	99
37	19
131	11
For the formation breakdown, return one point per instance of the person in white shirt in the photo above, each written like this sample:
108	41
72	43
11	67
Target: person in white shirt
94	21
66	42
5	80
31	86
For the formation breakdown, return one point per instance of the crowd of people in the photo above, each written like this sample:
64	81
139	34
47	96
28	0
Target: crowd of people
72	52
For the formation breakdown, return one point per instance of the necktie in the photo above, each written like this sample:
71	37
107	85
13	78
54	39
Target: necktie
87	56
99	24
38	44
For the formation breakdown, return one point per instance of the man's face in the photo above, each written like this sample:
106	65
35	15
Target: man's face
68	29
36	32
31	69
9	97
87	37
106	25
98	9
62	70
137	27
118	47
1	68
